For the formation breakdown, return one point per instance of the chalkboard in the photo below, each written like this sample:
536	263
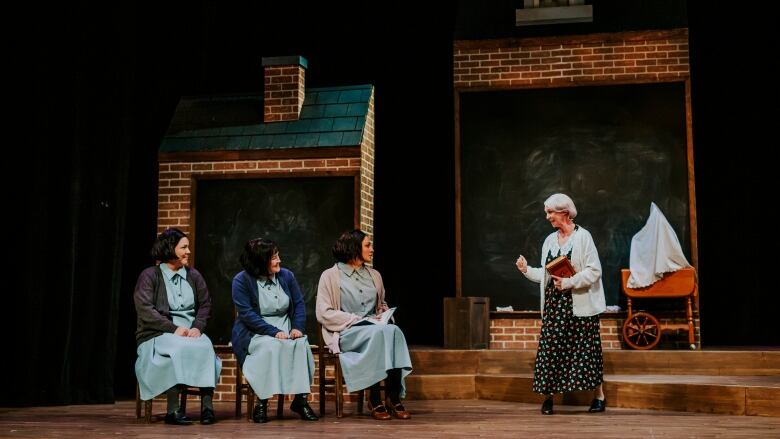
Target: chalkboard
613	149
303	215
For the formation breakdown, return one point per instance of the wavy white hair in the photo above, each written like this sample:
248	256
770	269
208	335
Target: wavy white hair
561	203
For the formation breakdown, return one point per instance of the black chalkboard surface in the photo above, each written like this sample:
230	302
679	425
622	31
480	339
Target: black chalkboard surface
303	215
612	149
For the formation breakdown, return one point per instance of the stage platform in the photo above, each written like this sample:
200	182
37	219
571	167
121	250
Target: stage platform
721	382
431	419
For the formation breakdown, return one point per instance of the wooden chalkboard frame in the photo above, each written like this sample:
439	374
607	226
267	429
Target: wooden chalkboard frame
355	174
457	124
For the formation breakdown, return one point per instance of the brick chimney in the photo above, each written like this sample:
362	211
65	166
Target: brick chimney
285	87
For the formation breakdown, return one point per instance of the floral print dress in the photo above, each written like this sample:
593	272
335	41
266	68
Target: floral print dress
569	356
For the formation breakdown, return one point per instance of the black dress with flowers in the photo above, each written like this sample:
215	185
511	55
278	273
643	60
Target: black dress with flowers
569	357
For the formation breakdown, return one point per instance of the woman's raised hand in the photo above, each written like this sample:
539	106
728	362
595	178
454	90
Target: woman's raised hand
522	264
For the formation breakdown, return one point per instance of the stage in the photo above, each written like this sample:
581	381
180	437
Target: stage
467	393
432	419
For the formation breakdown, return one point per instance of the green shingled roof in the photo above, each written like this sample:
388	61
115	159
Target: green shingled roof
330	117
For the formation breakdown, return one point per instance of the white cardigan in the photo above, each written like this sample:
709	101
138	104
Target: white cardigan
586	290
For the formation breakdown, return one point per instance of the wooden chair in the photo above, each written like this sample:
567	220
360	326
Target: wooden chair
335	384
147	404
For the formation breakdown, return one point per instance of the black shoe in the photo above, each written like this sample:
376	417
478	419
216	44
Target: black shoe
547	406
597	405
301	406
177	418
207	417
260	414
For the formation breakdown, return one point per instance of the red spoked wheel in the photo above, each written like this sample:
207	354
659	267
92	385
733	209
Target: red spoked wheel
642	331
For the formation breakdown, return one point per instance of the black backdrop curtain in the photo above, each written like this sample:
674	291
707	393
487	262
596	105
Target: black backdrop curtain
84	159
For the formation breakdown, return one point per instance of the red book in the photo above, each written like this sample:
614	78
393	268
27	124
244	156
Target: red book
560	266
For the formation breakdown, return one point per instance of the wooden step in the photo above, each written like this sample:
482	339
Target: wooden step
656	362
733	395
723	382
440	386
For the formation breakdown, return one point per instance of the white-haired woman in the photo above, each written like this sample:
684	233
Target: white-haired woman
569	355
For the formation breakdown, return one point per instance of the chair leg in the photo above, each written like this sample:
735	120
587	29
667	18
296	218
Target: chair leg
183	403
689	313
239	385
148	411
339	391
361	396
137	402
321	367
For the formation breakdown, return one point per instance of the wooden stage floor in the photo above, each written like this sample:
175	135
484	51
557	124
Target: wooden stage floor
432	419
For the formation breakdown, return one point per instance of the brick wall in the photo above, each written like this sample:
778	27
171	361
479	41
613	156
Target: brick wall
175	181
283	92
558	61
523	332
367	172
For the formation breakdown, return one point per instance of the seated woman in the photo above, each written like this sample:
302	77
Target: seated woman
268	338
369	353
173	305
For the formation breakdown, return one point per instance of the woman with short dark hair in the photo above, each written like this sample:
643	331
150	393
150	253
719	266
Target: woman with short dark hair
348	293
268	335
173	305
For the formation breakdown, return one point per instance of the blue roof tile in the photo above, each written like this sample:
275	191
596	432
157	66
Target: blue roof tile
344	123
328	97
336	110
330	139
357	109
349	96
321	125
351	138
307	139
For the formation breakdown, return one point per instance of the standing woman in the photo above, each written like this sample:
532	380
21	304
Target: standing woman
173	305
369	353
569	356
268	335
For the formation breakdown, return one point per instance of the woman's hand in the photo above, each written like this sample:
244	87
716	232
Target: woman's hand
281	335
522	264
295	334
557	281
194	333
181	331
382	308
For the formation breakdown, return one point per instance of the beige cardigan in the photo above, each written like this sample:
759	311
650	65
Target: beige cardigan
328	309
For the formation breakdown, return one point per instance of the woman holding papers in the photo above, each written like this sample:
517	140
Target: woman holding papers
268	335
569	355
350	304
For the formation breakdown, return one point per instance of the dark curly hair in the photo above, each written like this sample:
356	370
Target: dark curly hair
349	246
257	255
164	247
